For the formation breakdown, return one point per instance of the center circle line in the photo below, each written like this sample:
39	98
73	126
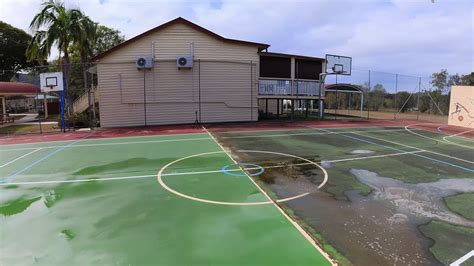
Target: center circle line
169	189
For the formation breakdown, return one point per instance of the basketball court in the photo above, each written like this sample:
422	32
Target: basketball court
205	197
260	193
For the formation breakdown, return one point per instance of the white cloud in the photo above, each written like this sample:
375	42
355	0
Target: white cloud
411	37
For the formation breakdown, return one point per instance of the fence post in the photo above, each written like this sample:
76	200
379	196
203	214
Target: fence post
368	99
335	107
395	98
418	100
144	95
199	89
251	90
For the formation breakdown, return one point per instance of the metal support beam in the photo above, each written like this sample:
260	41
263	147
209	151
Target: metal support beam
45	104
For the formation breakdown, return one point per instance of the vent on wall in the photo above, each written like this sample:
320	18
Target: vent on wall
144	62
184	62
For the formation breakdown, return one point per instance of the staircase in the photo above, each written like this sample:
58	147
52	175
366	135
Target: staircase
81	103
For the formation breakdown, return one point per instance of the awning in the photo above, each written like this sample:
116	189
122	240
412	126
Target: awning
344	87
18	89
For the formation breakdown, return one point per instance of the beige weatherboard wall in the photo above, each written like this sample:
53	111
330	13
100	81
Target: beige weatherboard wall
461	107
220	87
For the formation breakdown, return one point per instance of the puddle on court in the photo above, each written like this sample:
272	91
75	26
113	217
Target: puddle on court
368	231
378	229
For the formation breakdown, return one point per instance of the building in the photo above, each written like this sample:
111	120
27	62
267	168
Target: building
229	80
17	97
461	113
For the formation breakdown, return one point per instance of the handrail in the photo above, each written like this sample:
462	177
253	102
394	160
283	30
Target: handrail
81	103
288	87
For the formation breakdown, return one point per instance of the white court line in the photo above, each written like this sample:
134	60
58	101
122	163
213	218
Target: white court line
309	134
374	156
107	144
24	155
463	259
416	148
407	128
112	178
458	134
295	224
292	129
75	180
334	161
105	138
201	172
444	133
440	127
159	178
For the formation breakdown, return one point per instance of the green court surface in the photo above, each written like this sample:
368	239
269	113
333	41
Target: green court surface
182	200
389	184
98	201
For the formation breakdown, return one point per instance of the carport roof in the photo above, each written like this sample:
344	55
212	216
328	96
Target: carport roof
18	88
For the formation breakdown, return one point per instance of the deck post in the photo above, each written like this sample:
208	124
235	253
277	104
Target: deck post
278	107
4	107
321	108
266	106
292	108
306	103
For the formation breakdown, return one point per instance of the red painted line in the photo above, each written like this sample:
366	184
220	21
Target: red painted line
220	127
102	133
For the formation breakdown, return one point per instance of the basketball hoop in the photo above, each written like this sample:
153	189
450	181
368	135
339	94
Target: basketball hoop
338	65
52	81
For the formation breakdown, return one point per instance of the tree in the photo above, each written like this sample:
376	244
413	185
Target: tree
106	38
377	96
439	80
454	80
468	79
57	26
13	45
404	101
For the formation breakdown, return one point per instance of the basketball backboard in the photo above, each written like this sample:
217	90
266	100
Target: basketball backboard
338	64
52	81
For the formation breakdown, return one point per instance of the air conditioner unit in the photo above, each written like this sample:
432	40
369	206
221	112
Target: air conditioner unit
144	62
184	62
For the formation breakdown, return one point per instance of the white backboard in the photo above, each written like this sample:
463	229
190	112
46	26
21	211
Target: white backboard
338	64
52	81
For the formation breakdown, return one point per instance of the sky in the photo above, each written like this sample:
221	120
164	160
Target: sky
411	37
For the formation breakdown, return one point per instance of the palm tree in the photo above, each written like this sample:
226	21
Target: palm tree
55	25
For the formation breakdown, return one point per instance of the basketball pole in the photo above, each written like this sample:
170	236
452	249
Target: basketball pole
61	106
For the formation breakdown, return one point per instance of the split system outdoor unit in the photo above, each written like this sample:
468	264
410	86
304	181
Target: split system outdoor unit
144	62
184	62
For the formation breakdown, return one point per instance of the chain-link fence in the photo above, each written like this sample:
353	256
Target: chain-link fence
203	91
31	111
387	96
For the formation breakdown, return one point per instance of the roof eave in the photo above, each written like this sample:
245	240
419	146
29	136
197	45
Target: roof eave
260	46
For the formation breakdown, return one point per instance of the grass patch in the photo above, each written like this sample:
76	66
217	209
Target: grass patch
51	118
16	206
69	234
462	204
450	241
11	186
25	129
